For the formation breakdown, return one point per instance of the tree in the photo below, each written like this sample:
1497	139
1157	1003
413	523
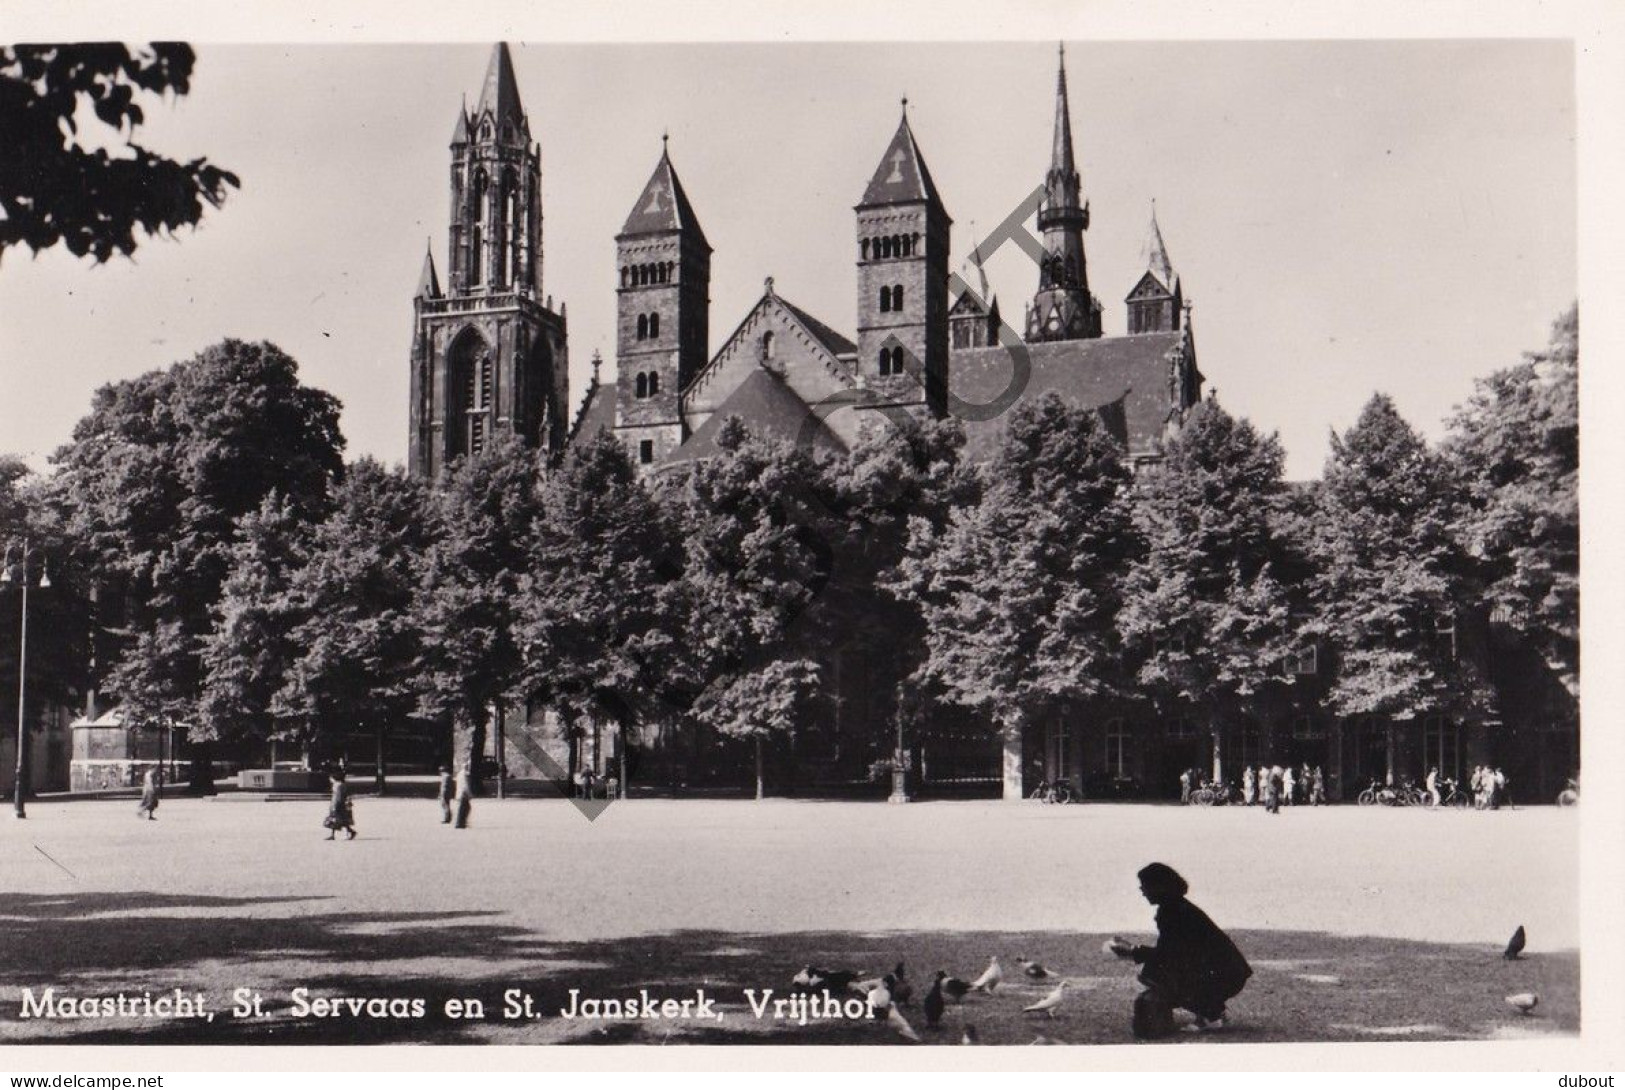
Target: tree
156	479
1515	446
357	642
1204	617
251	647
53	189
757	558
601	596
1020	590
770	701
58	615
468	603
1394	587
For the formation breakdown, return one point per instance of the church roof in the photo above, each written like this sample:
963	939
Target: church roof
1098	373
500	93
901	177
833	342
769	409
663	206
429	282
597	412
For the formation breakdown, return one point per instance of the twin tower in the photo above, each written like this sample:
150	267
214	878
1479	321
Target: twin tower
489	352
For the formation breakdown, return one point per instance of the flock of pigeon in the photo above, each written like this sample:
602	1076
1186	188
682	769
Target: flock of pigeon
887	993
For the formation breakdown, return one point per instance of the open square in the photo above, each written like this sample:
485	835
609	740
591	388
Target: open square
1351	938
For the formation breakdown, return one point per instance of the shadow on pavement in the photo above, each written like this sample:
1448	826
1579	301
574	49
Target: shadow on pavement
1307	986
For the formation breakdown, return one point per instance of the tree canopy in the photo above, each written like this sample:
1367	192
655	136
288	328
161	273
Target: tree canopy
54	188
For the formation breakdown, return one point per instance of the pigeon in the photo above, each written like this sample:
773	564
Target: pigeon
954	988
902	991
895	1019
989	980
880	999
1523	1002
934	1003
969	1036
1049	1002
1033	970
1514	949
834	980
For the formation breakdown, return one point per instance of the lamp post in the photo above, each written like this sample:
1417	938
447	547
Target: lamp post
18	786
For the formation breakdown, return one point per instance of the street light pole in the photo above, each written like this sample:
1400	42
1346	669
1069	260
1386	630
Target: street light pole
18	786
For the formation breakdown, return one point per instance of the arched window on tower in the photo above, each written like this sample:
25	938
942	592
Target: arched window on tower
476	234
641	386
626	279
508	229
654	325
885	300
863	245
643	327
914	243
654	383
767	345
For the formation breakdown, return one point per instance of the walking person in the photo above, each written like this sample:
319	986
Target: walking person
1185	787
1272	790
1194	966
1306	777
1288	784
340	814
1432	784
1317	789
443	795
1249	787
151	793
1498	788
465	795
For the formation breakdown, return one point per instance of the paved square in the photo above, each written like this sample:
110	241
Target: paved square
1361	923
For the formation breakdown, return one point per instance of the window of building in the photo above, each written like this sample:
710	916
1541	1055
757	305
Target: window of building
1445	635
1441	746
1305	661
654	325
654	383
1181	726
897	297
1117	749
767	345
640	386
643	327
646	452
885	300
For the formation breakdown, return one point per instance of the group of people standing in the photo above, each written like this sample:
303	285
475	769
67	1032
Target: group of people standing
1487	784
1275	787
454	793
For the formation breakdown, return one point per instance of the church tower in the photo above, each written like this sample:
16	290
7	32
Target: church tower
902	237
1063	309
489	355
1155	304
662	309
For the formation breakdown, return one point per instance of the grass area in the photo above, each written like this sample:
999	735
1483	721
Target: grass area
677	896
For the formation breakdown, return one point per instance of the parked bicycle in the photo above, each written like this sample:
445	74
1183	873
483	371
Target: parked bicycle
1451	794
1058	792
1212	794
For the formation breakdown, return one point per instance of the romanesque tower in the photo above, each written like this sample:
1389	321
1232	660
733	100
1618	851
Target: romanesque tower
902	242
489	353
1063	309
663	304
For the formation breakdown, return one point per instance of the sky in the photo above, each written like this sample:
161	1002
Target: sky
1346	216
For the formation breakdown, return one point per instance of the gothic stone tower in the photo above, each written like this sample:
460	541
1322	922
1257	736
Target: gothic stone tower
488	356
662	309
902	231
1063	309
1158	298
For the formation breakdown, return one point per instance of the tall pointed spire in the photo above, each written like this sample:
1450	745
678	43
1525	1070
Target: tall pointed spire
902	176
1156	253
1061	159
663	205
500	94
429	282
